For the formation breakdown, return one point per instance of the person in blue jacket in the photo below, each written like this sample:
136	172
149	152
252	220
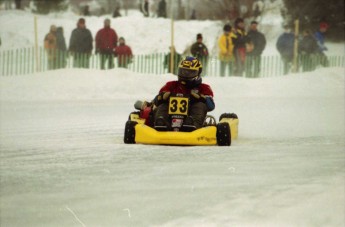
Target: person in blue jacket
285	47
320	39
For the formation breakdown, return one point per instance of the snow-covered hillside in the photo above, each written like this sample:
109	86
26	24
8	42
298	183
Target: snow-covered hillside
144	35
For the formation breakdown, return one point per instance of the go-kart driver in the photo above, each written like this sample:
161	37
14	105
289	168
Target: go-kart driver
189	83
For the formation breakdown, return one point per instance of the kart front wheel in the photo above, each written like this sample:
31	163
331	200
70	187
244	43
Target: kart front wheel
223	134
129	137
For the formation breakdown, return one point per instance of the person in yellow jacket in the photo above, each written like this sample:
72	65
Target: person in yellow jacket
50	45
226	51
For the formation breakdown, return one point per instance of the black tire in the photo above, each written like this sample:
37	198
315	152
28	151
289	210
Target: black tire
228	115
223	134
129	137
135	112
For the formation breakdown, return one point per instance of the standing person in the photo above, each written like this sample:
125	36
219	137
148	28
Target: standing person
80	45
106	42
50	46
61	48
308	50
200	51
226	51
254	56
285	47
320	38
18	4
123	53
239	39
86	11
162	9
116	12
144	8
177	58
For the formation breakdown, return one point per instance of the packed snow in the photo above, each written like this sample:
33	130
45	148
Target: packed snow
63	161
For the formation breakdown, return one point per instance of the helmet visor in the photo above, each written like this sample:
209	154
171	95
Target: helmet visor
187	74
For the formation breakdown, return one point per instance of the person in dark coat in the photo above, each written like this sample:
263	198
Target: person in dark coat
285	47
18	4
239	40
308	50
80	45
144	8
86	11
200	51
61	48
106	42
162	9
123	53
116	12
253	60
177	58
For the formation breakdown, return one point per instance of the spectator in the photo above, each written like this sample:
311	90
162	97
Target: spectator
308	50
285	46
177	58
80	45
258	41
199	50
239	40
162	9
50	46
106	42
258	7
117	12
61	48
123	53
86	11
226	50
319	36
193	15
18	4
144	7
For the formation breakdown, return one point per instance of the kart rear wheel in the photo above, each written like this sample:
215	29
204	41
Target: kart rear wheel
228	115
133	113
129	137
223	134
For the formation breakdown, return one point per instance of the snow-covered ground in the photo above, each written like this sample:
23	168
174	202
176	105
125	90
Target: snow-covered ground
63	161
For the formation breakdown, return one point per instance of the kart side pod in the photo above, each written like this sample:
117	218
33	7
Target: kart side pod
136	131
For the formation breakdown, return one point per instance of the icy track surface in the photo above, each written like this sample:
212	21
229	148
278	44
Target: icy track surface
63	161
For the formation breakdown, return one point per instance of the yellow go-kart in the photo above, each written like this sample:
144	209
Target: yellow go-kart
139	127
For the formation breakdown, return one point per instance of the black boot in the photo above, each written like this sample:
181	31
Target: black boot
188	125
161	124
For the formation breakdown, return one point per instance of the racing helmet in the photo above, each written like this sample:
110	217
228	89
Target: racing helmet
189	70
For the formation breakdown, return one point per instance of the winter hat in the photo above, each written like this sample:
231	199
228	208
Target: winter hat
121	38
324	25
254	22
227	28
199	36
238	20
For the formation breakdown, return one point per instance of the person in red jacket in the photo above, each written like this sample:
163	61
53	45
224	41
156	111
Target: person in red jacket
123	53
106	41
189	84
